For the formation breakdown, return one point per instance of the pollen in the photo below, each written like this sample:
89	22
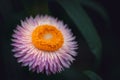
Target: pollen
47	38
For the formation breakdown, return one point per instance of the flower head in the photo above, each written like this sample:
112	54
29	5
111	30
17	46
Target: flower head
45	44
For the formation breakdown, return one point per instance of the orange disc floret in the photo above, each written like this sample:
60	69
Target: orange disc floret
47	38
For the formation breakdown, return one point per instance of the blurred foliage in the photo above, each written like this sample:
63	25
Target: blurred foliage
92	75
36	7
84	24
86	27
97	7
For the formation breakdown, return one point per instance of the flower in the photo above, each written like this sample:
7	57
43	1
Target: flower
45	44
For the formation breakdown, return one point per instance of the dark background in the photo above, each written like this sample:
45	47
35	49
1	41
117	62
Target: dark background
109	68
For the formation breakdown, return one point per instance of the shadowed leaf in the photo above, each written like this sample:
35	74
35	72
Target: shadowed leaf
36	6
95	6
92	76
84	24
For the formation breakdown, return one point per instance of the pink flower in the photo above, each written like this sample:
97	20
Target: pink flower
44	44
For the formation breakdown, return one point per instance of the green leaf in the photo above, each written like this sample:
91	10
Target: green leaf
84	24
92	75
95	6
35	7
73	74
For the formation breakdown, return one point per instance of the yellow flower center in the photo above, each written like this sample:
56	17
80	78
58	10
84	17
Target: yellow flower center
47	38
